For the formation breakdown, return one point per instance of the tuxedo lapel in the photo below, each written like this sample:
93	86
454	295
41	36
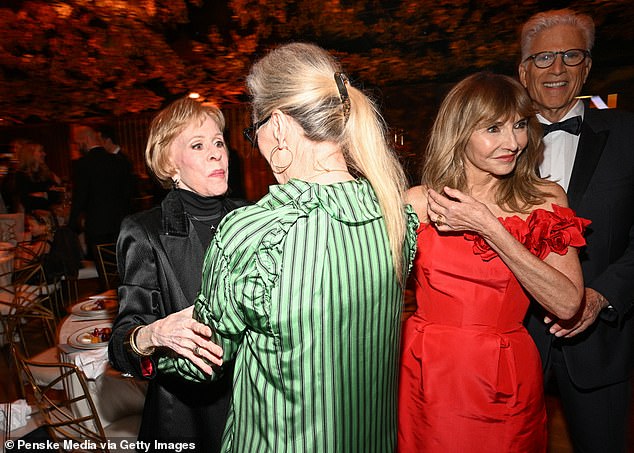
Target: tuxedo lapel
591	145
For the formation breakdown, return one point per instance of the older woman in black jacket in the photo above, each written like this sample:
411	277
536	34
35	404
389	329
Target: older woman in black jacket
160	254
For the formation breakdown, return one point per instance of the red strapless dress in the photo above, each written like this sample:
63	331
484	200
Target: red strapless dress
471	376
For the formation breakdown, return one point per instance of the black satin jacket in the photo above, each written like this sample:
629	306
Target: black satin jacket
160	260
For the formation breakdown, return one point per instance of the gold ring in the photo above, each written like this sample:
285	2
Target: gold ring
439	220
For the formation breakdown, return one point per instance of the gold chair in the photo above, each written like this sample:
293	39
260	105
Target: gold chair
22	287
71	415
31	333
29	323
69	419
7	303
27	253
51	288
107	265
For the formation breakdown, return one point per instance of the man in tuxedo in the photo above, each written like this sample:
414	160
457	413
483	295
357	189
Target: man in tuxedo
590	152
102	190
110	142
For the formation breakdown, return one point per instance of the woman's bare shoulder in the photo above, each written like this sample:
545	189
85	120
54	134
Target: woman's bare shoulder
417	197
555	195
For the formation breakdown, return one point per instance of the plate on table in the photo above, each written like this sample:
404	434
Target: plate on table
92	337
95	308
110	294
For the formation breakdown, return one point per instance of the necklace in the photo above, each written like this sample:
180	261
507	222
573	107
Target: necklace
325	172
205	220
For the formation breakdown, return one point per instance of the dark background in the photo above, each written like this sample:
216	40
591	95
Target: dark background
115	61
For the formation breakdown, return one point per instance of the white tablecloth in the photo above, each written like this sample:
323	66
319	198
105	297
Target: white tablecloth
114	395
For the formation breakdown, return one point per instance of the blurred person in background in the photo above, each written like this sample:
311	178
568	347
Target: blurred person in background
103	187
110	142
33	179
55	247
40	225
8	168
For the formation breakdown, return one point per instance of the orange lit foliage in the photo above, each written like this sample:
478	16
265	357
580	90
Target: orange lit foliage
70	59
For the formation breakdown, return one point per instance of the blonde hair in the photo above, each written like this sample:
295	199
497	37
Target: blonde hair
479	100
166	126
27	163
299	80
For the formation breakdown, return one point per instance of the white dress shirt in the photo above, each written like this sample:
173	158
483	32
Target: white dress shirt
560	150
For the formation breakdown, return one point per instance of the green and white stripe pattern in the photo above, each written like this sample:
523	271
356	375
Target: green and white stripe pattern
301	290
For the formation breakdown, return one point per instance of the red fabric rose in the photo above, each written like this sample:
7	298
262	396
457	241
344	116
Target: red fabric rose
480	246
516	226
575	226
540	223
559	241
541	233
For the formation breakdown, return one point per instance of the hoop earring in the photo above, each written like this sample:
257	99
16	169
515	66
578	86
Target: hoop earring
277	169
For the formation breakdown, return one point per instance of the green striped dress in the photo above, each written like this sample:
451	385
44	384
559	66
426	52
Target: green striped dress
301	290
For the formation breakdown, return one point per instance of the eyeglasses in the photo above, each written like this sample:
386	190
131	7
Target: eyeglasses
250	133
570	57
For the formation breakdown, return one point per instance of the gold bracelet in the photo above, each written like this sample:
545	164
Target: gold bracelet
134	346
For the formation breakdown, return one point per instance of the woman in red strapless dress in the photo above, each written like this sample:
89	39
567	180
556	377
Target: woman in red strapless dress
492	235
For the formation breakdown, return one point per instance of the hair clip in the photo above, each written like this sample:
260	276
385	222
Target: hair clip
341	80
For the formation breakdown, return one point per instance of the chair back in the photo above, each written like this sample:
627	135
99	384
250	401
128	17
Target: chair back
27	286
31	328
30	332
71	421
107	265
12	227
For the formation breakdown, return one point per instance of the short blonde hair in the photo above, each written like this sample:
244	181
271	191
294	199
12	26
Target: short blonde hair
166	126
484	98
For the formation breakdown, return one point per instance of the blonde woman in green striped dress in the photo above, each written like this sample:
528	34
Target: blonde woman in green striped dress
305	288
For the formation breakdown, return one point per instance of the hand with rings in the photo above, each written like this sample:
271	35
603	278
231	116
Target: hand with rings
187	337
454	210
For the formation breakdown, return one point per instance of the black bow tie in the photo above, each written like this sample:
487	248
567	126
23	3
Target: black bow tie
571	125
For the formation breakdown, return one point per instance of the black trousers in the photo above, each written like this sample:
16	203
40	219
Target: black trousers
597	419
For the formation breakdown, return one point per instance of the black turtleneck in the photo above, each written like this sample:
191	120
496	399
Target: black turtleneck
204	212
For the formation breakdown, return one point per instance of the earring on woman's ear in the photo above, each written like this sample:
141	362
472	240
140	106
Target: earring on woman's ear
175	184
276	167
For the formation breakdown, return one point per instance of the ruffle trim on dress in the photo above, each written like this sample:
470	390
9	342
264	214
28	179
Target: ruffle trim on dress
353	202
542	232
413	225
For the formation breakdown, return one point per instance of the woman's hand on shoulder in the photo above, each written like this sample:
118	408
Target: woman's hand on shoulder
454	210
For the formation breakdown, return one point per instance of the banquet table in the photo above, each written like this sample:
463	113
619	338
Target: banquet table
115	395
